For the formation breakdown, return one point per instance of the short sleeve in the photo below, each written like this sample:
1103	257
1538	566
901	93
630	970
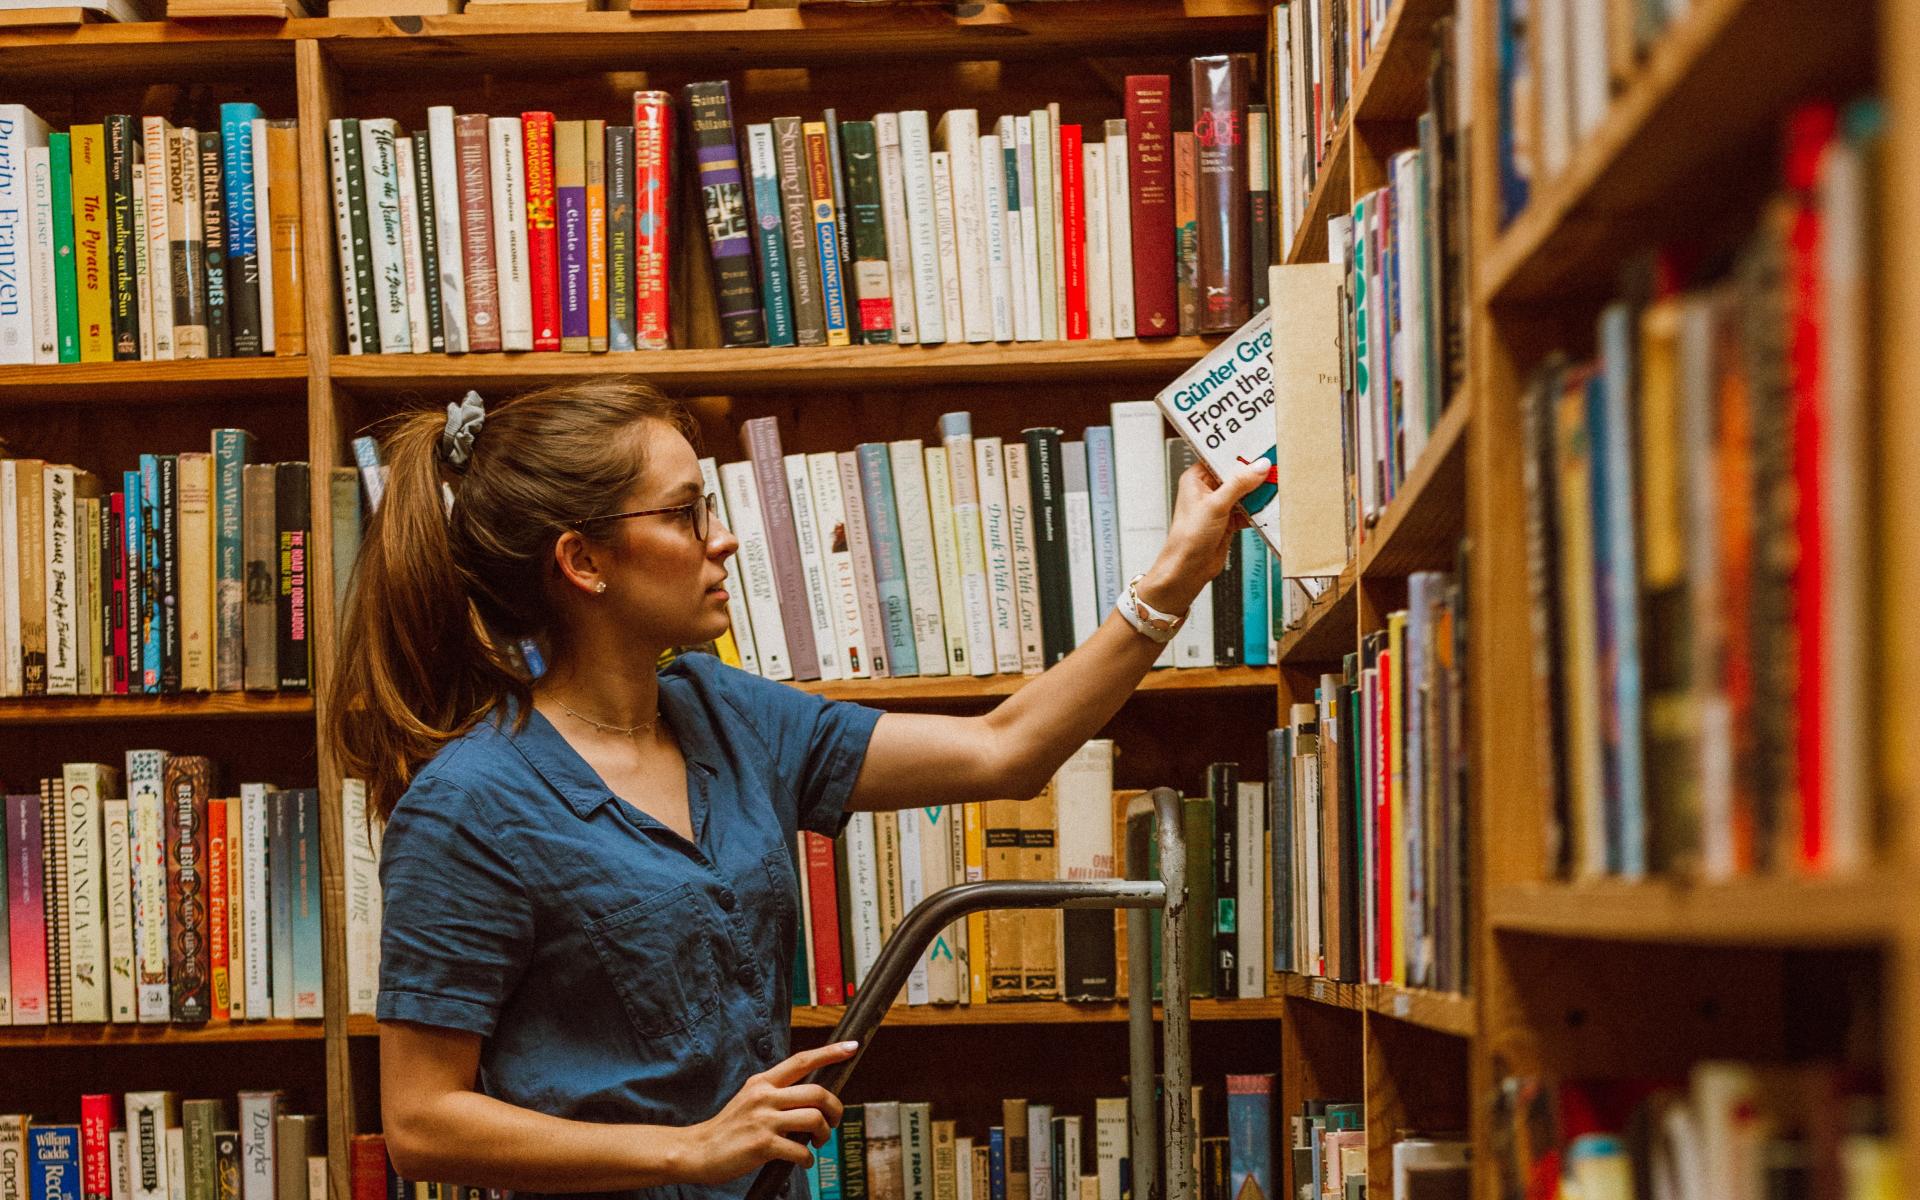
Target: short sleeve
457	922
816	745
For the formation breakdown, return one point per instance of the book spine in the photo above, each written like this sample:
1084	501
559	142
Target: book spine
292	506
284	282
117	849
1260	205
737	608
507	166
66	280
1226	609
81	825
142	266
261	165
570	192
186	221
230	456
596	199
361	891
826	233
860	550
56	516
379	143
960	138
42	301
798	232
894	216
1119	190
715	146
93	266
916	156
769	235
280	902
1029	276
872	275
242	227
761	437
1099	270
825	906
997	546
449	236
259	620
162	670
993	214
1078	510
652	156
620	297
836	556
820	605
1073	226
194	593
428	328
1047	480
20	131
909	489
1220	87
1150	162
1187	226
31	541
956	433
213	245
738	482
1103	488
188	784
12	673
474	179
130	566
541	218
363	227
337	137
254	911
889	559
1026	573
26	913
946	555
946	238
123	152
1046	195
219	976
304	894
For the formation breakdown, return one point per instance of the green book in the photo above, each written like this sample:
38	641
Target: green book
199	1121
66	287
362	234
872	279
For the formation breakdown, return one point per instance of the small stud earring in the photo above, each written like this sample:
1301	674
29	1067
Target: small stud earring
600	588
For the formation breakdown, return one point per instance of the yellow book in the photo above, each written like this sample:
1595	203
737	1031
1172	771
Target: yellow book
92	268
196	571
596	235
886	854
973	834
1000	839
1040	859
1397	786
727	649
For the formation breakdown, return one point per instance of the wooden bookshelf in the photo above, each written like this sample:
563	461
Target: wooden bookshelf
937	689
1760	911
1440	1012
1420	528
277	379
111	1037
1327	631
216	706
1039	1012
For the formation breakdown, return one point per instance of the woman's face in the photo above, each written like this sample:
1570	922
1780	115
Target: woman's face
660	577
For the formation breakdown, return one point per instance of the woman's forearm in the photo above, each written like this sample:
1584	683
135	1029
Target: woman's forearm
484	1142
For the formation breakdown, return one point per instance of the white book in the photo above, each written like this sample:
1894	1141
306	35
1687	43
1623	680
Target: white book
16	1158
996	535
936	825
361	888
1139	458
836	553
959	136
853	505
1046	203
1026	576
507	166
863	893
1119	193
963	1158
142	254
756	569
1551	34
1083	586
57	520
83	822
993	205
149	1116
379	154
1039	1160
342	238
1589	67
821	609
956	935
12	667
946	555
1283	131
1410	298
1070	1153
443	159
1027	271
263	232
916	546
254	913
146	807
916	160
259	1144
1083	798
737	614
410	247
123	1002
176	1163
908	822
1250	910
316	1178
945	240
1011	233
117	1163
956	434
40	256
893	214
1052	145
1193	643
1093	157
20	130
1110	1142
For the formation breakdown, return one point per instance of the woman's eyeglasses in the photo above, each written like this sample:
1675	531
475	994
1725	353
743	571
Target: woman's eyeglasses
699	512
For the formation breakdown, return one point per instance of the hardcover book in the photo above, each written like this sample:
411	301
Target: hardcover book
723	193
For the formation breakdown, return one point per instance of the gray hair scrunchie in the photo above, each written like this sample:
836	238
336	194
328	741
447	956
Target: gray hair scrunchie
463	425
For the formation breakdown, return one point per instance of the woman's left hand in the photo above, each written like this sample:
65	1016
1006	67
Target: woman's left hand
1206	517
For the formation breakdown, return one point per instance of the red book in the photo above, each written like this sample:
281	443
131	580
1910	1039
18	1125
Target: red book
1073	230
217	932
1384	832
96	1163
367	1166
652	187
543	235
824	899
1149	126
26	910
1808	135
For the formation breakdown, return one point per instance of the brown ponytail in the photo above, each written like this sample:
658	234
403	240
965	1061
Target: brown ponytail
439	601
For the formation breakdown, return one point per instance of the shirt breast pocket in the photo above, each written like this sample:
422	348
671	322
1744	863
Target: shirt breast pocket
659	952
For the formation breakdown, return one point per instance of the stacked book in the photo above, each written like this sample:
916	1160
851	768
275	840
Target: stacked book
145	897
526	232
1368	806
1700	567
168	1149
191	576
1329	1148
138	240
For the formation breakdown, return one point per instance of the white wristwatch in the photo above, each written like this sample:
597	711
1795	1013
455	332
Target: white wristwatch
1151	623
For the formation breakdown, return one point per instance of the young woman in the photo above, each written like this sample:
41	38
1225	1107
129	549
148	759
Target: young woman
590	902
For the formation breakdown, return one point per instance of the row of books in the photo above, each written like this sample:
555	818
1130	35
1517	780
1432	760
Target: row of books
1369	806
159	901
1310	75
191	576
1328	1147
167	1149
136	240
1699	526
530	233
1726	1131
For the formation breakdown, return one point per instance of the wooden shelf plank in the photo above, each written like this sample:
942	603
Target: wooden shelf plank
951	689
788	369
1331	628
119	1036
1331	195
1393	84
1718	81
183	381
1763	911
75	710
1441	1012
1421	528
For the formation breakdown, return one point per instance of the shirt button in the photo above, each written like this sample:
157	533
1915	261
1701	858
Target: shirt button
764	1045
745	973
726	901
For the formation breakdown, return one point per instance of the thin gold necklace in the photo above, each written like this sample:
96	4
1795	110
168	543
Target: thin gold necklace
626	731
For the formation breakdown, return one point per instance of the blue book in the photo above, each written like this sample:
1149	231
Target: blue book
1256	562
280	816
769	234
825	1176
134	534
243	227
1250	1135
304	894
996	1163
889	560
56	1161
152	594
1613	459
229	560
1103	494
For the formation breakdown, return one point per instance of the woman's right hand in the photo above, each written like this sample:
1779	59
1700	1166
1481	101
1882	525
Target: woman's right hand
753	1128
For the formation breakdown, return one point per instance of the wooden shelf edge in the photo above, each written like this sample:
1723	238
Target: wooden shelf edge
1303	643
118	1036
123	382
1051	1012
937	689
1438	1012
1439	473
1774	911
62	710
1312	232
1409	27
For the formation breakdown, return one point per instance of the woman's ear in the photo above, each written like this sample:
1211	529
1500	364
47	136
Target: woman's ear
579	562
